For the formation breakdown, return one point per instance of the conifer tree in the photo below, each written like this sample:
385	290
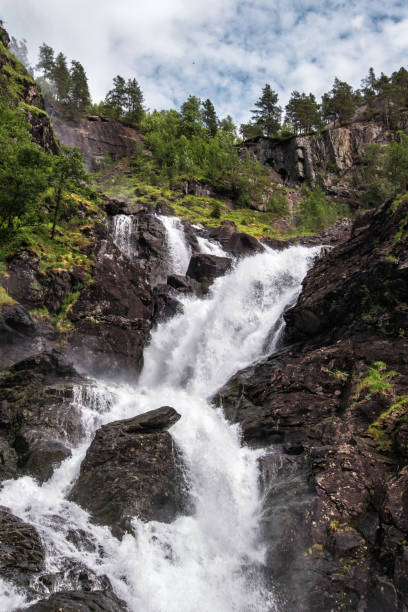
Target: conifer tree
190	117
62	79
79	99
267	114
210	117
303	112
46	62
133	101
115	99
19	49
340	103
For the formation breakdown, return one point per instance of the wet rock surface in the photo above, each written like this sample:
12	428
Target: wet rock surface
334	408
131	470
22	554
205	268
37	420
80	601
236	243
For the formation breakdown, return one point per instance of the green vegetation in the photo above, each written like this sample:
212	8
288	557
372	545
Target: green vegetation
376	381
383	172
315	211
5	299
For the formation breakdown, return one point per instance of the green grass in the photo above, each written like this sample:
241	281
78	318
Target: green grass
5	299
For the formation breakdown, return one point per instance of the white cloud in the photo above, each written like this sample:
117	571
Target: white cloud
222	49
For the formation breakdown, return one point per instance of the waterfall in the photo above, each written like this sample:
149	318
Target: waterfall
211	559
211	247
122	230
179	250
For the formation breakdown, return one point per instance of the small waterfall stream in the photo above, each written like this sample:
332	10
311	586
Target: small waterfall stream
179	250
211	559
122	230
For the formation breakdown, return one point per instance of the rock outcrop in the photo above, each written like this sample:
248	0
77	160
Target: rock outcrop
131	470
97	138
238	244
205	268
326	158
334	408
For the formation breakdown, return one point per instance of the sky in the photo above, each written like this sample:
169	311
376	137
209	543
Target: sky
225	50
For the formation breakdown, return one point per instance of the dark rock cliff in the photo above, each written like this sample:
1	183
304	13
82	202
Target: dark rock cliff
327	158
334	406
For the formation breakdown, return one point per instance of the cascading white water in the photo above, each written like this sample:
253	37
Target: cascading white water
179	250
211	247
122	229
211	559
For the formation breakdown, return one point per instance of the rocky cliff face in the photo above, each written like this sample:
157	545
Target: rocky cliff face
327	158
334	408
96	137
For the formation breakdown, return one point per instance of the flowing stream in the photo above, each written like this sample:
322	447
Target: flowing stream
213	558
122	230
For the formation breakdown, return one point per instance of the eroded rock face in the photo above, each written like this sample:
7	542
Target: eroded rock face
335	516
131	469
96	137
329	156
113	315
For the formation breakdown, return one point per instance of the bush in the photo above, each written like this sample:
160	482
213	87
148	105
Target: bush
278	204
315	211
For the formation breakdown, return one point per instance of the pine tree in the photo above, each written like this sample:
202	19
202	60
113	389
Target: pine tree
340	103
115	99
267	114
79	98
62	78
228	126
46	61
303	112
133	101
210	117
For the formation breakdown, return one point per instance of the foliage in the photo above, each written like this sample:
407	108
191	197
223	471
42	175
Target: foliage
210	117
315	212
340	103
62	79
124	101
24	169
303	113
383	171
79	97
67	173
376	381
267	114
278	204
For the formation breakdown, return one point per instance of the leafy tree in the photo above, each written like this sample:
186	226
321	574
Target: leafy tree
23	169
210	117
67	172
46	61
228	126
267	114
62	79
303	112
340	103
315	211
79	98
190	117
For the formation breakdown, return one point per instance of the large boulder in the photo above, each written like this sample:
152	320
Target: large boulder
205	268
131	470
238	244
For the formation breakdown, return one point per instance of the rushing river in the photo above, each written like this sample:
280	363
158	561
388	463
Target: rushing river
212	559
